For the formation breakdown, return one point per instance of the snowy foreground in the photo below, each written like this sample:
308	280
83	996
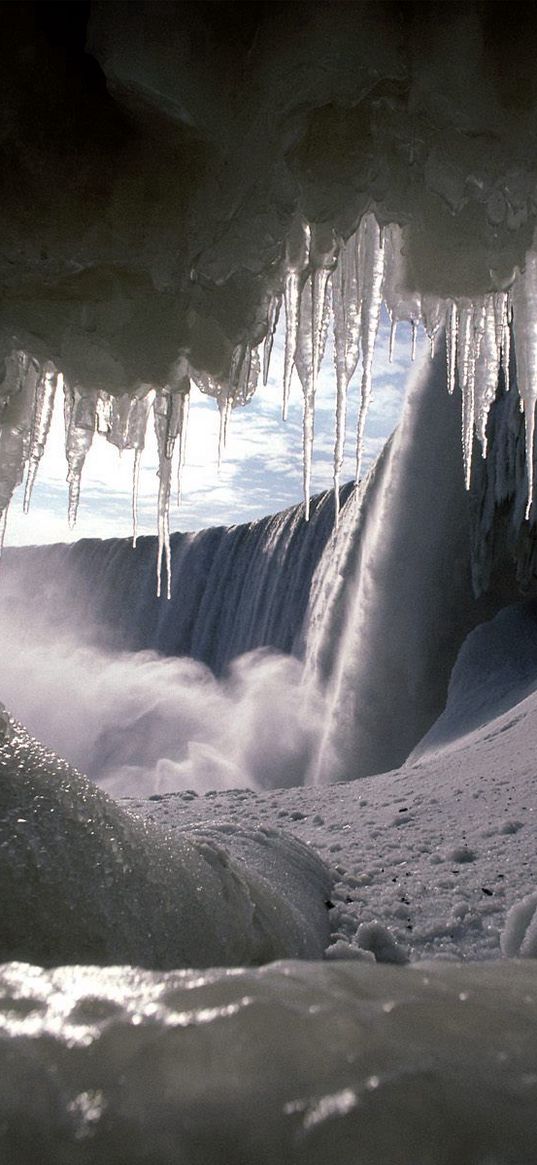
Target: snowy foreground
340	1060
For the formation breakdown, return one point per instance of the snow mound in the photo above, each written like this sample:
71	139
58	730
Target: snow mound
519	936
496	669
296	1062
82	880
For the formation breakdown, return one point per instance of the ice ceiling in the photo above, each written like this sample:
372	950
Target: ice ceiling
175	173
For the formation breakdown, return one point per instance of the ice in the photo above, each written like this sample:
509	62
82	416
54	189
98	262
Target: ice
467	350
169	414
370	263
487	366
524	301
347	308
221	896
519	935
272	323
312	333
321	274
45	393
296	262
135	486
452	324
80	422
296	1061
18	394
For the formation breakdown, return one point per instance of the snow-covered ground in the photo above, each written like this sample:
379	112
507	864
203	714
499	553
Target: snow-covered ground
439	850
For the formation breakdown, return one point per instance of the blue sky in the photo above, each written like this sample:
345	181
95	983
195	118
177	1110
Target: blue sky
262	465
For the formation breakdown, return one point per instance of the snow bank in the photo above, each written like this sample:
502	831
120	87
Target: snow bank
495	670
84	881
297	1062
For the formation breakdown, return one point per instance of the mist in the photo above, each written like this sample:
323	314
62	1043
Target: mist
139	723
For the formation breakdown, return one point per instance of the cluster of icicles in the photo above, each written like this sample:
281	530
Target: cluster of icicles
323	277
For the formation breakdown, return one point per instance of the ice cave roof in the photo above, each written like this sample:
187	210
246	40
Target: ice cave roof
158	156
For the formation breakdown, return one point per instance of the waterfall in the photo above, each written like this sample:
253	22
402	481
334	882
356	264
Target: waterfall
233	589
377	610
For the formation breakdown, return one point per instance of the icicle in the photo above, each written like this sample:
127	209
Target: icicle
370	261
224	405
466	370
135	486
502	310
524	301
346	308
433	310
182	435
80	418
296	261
42	416
3	524
128	420
393	328
487	369
414	328
273	316
104	413
452	325
18	393
162	409
311	341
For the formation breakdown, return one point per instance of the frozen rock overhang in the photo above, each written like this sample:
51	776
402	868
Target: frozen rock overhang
173	173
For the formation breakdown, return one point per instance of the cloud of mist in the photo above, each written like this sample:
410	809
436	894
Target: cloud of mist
140	723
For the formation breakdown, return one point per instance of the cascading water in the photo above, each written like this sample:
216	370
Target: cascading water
376	636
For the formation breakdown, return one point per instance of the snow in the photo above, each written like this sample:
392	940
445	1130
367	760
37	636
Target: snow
435	852
107	888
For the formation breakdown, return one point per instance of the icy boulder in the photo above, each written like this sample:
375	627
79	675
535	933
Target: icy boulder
82	880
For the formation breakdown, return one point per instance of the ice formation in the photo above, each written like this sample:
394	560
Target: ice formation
314	163
110	889
349	281
301	1062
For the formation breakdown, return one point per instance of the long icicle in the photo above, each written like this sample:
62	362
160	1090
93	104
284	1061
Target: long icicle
524	300
346	309
273	316
162	409
135	491
370	259
182	436
296	262
42	416
3	524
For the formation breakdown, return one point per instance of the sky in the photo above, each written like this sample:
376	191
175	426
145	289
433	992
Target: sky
261	471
